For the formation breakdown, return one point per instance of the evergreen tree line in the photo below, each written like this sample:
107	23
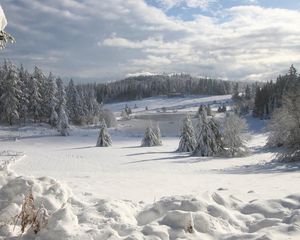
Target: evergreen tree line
27	97
280	102
271	95
148	86
284	104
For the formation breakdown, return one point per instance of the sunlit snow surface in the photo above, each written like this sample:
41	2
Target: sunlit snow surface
115	192
3	21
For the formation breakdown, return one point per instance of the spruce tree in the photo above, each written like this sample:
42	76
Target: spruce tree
51	100
24	96
235	95
248	93
207	144
104	139
10	96
218	146
61	94
150	138
63	122
34	98
187	139
74	104
157	133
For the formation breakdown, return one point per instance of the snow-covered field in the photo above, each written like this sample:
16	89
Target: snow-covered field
129	192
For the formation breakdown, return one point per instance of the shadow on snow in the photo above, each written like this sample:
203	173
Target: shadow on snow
274	166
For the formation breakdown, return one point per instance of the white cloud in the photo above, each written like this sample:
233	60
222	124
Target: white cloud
151	61
125	43
202	4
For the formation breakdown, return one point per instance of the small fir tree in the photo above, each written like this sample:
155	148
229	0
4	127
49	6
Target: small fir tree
150	138
187	139
104	139
157	133
207	142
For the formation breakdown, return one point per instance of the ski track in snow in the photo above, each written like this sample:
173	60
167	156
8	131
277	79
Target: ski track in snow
225	198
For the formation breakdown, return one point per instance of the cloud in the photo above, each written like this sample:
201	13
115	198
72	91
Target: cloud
108	40
202	4
125	43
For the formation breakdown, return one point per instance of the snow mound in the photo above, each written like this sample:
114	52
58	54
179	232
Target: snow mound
210	216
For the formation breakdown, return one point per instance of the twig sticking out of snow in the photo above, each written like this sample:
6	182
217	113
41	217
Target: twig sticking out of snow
32	217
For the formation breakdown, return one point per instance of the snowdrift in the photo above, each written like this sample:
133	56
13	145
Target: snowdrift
210	216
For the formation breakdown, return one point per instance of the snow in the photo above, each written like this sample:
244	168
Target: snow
154	104
206	216
3	21
132	192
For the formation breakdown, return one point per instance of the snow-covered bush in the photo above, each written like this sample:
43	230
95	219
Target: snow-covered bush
63	122
151	137
104	139
109	118
234	141
187	139
125	115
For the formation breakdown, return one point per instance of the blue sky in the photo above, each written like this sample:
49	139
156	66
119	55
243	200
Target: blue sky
106	40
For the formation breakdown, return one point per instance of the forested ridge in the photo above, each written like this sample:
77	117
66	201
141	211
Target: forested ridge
148	86
33	96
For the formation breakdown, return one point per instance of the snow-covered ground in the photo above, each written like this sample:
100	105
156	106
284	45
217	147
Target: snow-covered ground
129	192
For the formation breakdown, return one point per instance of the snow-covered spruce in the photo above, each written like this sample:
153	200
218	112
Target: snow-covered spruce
53	121
104	139
51	100
187	139
157	133
63	122
151	137
208	137
10	96
74	104
233	128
